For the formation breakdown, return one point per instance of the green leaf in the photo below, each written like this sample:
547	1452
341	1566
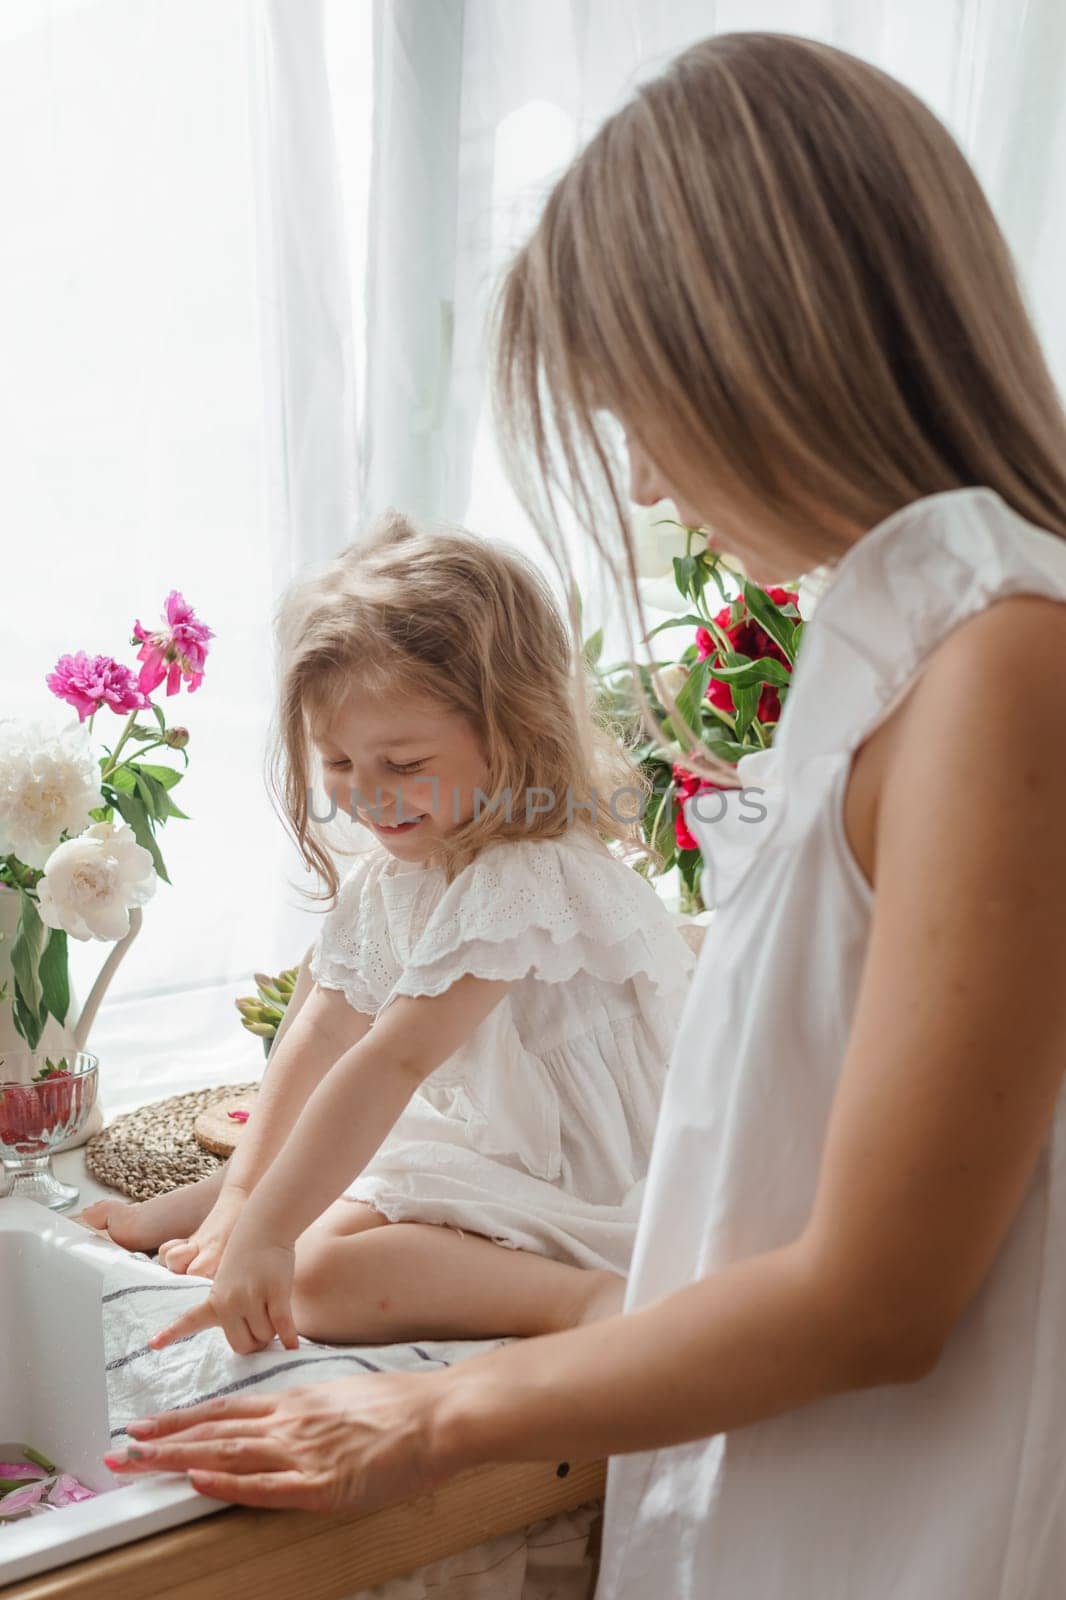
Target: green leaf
123	778
593	647
767	615
159	717
749	674
660	832
164	804
689	620
800	630
690	867
55	980
133	812
690	699
148	796
729	749
26	957
746	701
688	576
28	1023
164	775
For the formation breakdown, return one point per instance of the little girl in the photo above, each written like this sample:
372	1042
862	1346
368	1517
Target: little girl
480	1037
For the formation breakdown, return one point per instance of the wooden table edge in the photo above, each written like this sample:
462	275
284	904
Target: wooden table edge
245	1554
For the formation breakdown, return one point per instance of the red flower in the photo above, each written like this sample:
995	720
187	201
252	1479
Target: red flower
749	639
687	784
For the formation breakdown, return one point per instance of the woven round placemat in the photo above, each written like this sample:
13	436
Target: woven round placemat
153	1149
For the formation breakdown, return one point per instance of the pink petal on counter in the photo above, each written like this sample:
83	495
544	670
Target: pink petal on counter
21	1499
66	1491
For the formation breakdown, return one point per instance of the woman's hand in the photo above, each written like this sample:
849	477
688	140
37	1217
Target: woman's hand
354	1444
201	1253
251	1299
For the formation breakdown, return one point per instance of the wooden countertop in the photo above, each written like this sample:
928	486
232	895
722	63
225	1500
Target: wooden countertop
243	1554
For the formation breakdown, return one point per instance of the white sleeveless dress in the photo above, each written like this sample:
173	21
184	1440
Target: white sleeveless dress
538	1130
951	1488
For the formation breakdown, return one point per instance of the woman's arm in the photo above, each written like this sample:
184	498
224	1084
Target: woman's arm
954	1065
945	1098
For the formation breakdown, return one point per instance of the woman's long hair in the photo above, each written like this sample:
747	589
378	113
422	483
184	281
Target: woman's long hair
777	269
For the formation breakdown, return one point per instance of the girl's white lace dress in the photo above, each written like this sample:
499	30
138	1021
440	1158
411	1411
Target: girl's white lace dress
537	1131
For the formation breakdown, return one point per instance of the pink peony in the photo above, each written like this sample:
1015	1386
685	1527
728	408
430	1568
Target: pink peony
88	682
177	651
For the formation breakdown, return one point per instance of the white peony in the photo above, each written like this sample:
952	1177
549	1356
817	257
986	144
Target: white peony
657	538
90	882
49	783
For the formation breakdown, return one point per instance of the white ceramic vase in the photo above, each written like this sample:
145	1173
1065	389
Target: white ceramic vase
73	1033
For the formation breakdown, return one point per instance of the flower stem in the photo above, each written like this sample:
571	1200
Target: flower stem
113	763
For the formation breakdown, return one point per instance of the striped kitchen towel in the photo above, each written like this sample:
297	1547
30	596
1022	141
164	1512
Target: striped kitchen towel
140	1297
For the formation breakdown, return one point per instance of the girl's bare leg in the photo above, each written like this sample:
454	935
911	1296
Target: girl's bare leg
146	1224
362	1280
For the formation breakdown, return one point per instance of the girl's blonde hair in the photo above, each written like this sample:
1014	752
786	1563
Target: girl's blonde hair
775	267
475	626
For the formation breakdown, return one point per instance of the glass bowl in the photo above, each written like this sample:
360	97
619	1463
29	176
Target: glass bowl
43	1101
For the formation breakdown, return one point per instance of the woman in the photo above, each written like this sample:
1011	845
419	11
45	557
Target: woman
836	1374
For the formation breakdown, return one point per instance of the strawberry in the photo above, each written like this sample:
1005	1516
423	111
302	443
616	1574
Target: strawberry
55	1093
20	1115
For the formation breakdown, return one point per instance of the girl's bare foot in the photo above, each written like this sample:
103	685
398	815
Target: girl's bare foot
147	1224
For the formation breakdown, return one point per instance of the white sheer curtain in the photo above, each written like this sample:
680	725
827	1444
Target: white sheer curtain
247	250
529	86
178	410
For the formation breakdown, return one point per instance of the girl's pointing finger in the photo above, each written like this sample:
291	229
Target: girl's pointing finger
194	1321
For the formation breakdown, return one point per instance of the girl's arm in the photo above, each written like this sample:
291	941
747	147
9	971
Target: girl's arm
323	1028
360	1098
945	1099
318	1026
339	1129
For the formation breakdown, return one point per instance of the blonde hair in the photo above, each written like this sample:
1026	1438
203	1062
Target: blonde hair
776	268
475	626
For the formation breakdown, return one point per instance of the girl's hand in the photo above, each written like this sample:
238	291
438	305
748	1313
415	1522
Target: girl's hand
354	1444
201	1253
251	1300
